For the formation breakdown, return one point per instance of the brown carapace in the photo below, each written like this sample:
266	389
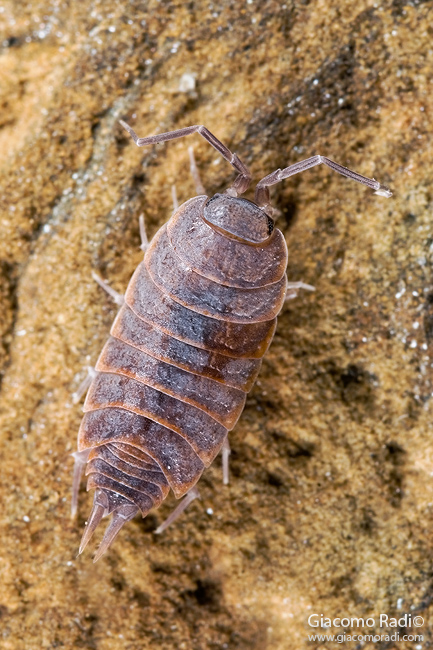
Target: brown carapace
186	346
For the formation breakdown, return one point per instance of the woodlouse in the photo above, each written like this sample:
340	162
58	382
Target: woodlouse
186	346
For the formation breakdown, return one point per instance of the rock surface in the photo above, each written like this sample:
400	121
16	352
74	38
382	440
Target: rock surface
330	507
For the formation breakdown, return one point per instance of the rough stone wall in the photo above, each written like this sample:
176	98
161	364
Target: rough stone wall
330	505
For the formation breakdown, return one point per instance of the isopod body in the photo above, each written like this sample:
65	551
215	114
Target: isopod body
185	348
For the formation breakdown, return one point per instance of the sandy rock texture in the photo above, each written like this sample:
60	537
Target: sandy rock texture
330	506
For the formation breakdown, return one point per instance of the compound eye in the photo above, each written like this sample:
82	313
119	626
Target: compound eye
271	225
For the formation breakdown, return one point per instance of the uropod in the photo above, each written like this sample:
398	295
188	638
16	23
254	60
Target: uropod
186	346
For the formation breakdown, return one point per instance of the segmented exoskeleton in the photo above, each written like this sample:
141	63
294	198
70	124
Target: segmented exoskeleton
186	346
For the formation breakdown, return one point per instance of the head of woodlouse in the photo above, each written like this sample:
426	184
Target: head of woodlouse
238	218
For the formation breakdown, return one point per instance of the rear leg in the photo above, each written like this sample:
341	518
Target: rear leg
294	287
80	461
226	451
187	499
118	298
82	388
194	493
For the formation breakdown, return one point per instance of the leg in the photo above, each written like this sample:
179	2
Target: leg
117	297
196	178
190	496
243	180
91	373
262	192
195	173
293	288
174	198
226	451
80	458
144	240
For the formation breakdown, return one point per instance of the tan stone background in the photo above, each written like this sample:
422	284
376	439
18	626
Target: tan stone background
330	507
